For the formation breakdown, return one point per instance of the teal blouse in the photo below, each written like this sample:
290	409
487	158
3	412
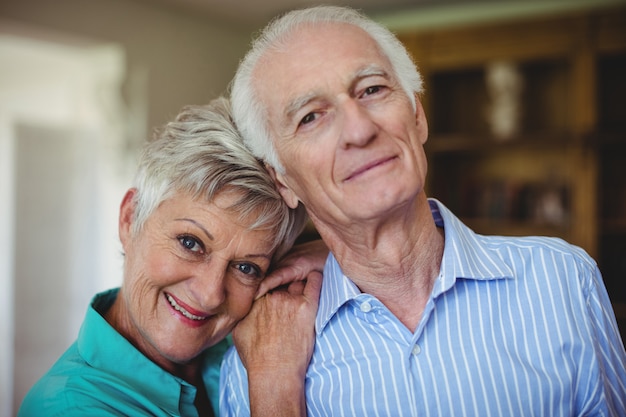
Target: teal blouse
103	374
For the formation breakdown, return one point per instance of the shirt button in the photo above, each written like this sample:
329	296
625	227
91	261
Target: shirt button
416	350
366	307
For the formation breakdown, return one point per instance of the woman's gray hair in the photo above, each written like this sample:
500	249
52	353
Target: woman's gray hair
249	112
201	153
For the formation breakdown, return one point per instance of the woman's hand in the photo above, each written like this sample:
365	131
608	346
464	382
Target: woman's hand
275	342
295	265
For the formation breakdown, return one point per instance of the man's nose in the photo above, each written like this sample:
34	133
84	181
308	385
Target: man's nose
357	128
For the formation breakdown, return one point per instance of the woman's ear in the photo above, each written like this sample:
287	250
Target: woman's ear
288	195
127	216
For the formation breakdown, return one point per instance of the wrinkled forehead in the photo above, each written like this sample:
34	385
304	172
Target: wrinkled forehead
308	57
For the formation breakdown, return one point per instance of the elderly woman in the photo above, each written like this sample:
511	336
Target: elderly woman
199	230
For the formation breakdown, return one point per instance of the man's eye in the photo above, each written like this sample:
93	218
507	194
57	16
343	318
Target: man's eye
371	90
307	119
190	243
249	269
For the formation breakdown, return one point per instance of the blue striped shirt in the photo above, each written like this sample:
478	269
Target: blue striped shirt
513	327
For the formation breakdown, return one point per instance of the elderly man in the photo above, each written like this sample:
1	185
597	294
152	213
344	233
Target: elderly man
418	314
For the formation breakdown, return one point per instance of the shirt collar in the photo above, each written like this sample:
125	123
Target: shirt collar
465	256
103	347
337	289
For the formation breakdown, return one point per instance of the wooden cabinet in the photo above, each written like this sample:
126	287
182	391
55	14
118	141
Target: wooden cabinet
541	150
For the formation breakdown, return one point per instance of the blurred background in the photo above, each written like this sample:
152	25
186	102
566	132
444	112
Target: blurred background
525	102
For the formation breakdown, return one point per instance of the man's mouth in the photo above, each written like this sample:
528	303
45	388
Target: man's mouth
182	310
368	167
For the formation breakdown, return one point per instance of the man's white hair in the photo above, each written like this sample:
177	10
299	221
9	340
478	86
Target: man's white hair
250	112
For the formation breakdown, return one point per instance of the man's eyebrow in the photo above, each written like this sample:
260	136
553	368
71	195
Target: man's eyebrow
296	104
371	70
299	102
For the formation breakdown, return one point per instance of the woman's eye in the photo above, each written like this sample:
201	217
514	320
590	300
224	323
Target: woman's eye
249	269
190	243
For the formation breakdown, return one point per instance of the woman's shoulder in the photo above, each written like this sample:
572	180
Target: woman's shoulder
72	387
66	387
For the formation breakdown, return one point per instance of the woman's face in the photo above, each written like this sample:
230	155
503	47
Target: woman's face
190	274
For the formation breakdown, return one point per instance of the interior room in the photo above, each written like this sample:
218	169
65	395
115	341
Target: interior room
524	100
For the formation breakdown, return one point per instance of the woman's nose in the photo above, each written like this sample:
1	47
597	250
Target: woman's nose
209	285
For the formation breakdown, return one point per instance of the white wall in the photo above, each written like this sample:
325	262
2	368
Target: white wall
116	69
189	58
63	170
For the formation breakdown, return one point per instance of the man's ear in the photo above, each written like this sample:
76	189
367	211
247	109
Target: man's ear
420	120
127	215
288	195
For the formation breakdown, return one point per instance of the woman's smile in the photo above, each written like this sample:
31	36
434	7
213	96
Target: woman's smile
185	310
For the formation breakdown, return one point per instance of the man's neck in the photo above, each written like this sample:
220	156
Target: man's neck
397	263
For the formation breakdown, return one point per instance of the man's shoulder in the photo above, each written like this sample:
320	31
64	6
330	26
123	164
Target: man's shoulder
500	244
231	361
539	257
535	244
234	399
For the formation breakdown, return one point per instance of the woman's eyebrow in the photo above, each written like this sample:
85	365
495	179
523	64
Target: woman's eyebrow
201	227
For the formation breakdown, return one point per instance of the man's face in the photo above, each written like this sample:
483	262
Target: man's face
345	131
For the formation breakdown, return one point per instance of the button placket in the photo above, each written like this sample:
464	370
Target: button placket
416	350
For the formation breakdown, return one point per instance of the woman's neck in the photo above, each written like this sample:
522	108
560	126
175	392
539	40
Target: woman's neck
117	316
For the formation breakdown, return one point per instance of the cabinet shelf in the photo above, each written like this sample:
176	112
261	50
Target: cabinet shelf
473	143
530	93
